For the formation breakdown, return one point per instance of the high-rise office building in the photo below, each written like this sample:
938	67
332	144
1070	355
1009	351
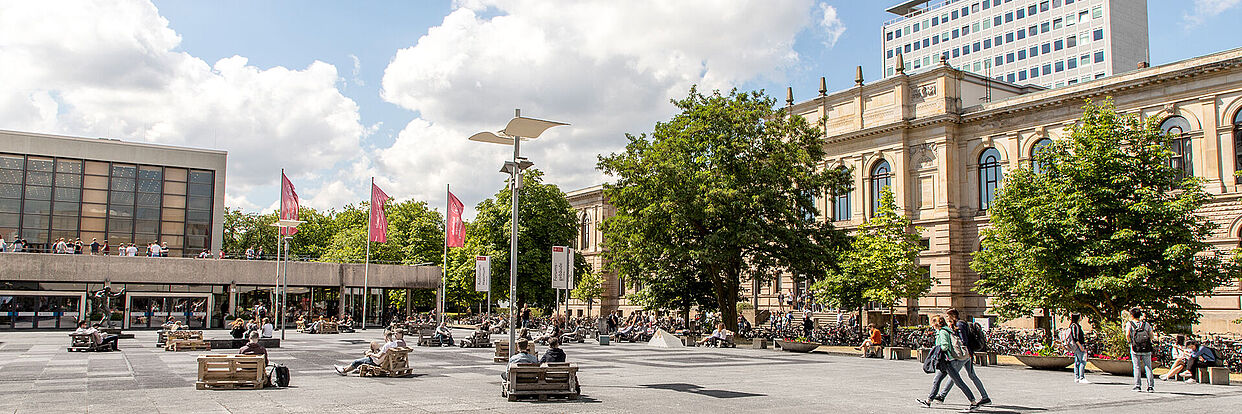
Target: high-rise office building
1049	43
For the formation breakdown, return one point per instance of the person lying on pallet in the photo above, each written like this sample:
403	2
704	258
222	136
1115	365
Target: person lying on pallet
372	357
524	356
85	328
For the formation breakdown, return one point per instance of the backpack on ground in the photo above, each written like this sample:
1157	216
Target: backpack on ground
1140	337
978	338
280	375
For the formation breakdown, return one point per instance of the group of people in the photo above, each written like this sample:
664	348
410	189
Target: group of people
376	354
254	252
241	328
951	353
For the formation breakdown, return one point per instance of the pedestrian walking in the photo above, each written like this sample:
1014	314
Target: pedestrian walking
1139	336
963	332
1076	340
952	347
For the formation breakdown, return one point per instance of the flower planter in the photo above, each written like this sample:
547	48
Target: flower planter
1046	362
1113	366
794	346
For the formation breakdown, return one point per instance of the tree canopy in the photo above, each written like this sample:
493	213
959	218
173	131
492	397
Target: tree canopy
722	192
1107	225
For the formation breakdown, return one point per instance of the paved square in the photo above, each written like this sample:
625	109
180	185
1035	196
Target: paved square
37	375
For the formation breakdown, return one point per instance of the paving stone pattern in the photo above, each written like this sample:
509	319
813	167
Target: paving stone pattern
37	375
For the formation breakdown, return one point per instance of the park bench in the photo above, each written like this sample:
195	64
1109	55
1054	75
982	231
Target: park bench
532	380
226	372
178	345
395	363
166	335
477	340
1211	375
325	327
427	337
85	343
502	352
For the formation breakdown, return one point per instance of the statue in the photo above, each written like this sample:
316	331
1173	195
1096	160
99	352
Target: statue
105	306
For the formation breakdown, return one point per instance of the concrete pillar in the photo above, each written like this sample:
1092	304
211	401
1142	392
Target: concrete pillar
232	295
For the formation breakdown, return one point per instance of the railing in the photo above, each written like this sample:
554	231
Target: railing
931	5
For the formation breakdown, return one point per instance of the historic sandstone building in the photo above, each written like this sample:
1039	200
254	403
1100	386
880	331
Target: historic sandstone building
945	138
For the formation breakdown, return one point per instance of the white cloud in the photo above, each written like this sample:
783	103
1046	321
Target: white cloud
832	25
357	69
111	68
606	67
1206	9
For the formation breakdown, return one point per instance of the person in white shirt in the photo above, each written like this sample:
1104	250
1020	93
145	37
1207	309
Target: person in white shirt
103	341
3	247
133	250
153	250
267	330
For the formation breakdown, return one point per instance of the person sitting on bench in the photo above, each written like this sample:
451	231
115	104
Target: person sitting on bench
253	347
171	324
553	332
267	330
103	341
238	330
1200	358
554	354
371	357
444	335
718	335
876	339
523	356
1181	355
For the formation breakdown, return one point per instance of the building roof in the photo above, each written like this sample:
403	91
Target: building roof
112	141
906	7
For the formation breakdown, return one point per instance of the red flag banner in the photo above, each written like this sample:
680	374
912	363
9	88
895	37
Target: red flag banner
288	204
456	236
379	223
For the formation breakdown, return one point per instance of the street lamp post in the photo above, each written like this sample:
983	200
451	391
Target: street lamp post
281	295
517	129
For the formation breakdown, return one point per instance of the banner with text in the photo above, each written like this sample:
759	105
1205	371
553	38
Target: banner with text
482	273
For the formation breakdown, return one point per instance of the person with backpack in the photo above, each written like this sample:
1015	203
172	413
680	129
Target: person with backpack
971	335
1139	336
1075	341
953	349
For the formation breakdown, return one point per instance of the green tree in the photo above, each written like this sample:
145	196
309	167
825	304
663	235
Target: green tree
545	220
722	192
415	235
881	264
1108	225
588	289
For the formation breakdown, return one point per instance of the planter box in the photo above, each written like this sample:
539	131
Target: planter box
759	343
793	346
1046	362
1113	366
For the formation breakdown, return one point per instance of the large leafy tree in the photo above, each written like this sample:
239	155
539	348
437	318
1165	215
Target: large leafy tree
1108	225
722	192
545	220
415	235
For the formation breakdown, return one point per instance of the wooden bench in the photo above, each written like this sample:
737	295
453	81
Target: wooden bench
984	359
227	372
899	353
427	337
179	345
301	325
165	336
502	352
1212	375
532	380
85	343
477	340
328	328
396	363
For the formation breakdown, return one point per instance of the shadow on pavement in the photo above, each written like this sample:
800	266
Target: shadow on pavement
695	389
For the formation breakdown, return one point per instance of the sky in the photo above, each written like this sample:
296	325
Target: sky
336	93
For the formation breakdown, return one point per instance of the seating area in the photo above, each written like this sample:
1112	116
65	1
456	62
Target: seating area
502	352
532	380
427	337
477	340
184	341
226	372
396	363
85	343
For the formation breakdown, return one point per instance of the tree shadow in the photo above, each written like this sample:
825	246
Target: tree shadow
695	389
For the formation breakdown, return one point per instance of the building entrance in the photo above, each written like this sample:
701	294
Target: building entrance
41	309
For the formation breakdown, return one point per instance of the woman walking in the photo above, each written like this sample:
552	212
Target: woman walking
957	356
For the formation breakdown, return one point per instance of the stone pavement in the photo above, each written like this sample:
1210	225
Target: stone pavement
38	375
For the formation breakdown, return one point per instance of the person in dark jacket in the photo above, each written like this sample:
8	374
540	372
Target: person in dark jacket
554	353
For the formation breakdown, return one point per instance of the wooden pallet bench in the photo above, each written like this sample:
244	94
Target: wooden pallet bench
502	352
427	337
477	340
396	363
165	336
532	380
85	343
179	345
227	372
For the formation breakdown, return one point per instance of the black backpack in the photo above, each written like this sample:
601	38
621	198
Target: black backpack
978	338
280	376
1140	337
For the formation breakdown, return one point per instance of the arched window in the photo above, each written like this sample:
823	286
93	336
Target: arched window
1178	129
989	176
585	231
1237	144
841	203
1038	166
881	176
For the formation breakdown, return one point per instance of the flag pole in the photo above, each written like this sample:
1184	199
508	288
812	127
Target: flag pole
366	266
448	193
275	299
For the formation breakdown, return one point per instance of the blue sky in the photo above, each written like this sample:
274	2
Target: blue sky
336	92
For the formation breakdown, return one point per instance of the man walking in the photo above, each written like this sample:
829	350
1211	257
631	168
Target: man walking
962	330
1077	340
